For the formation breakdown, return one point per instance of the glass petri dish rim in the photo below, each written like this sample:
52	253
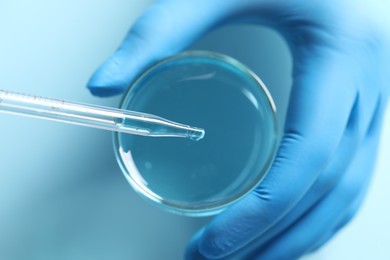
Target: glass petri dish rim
213	209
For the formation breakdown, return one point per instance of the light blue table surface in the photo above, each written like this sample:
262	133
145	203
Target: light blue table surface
62	195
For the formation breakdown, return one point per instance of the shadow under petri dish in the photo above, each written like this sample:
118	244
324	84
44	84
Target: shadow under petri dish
218	94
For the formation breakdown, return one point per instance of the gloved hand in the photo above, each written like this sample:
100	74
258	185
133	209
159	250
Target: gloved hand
341	53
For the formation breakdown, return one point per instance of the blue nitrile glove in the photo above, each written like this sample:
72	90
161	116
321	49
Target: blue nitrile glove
340	90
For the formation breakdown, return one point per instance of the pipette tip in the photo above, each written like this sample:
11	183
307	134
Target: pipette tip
196	134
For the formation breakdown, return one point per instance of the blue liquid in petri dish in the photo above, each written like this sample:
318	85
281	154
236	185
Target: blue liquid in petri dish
218	94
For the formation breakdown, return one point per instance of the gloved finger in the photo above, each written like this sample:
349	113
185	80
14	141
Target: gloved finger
192	252
326	216
168	27
353	210
165	28
305	150
349	216
321	222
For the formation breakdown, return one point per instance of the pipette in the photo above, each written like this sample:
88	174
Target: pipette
101	117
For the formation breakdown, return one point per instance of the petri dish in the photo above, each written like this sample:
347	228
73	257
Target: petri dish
214	92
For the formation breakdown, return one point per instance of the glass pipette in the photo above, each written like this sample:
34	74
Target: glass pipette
101	117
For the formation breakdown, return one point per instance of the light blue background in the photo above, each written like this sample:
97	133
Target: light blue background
62	195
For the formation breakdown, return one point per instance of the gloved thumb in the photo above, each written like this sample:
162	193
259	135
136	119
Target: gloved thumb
165	28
